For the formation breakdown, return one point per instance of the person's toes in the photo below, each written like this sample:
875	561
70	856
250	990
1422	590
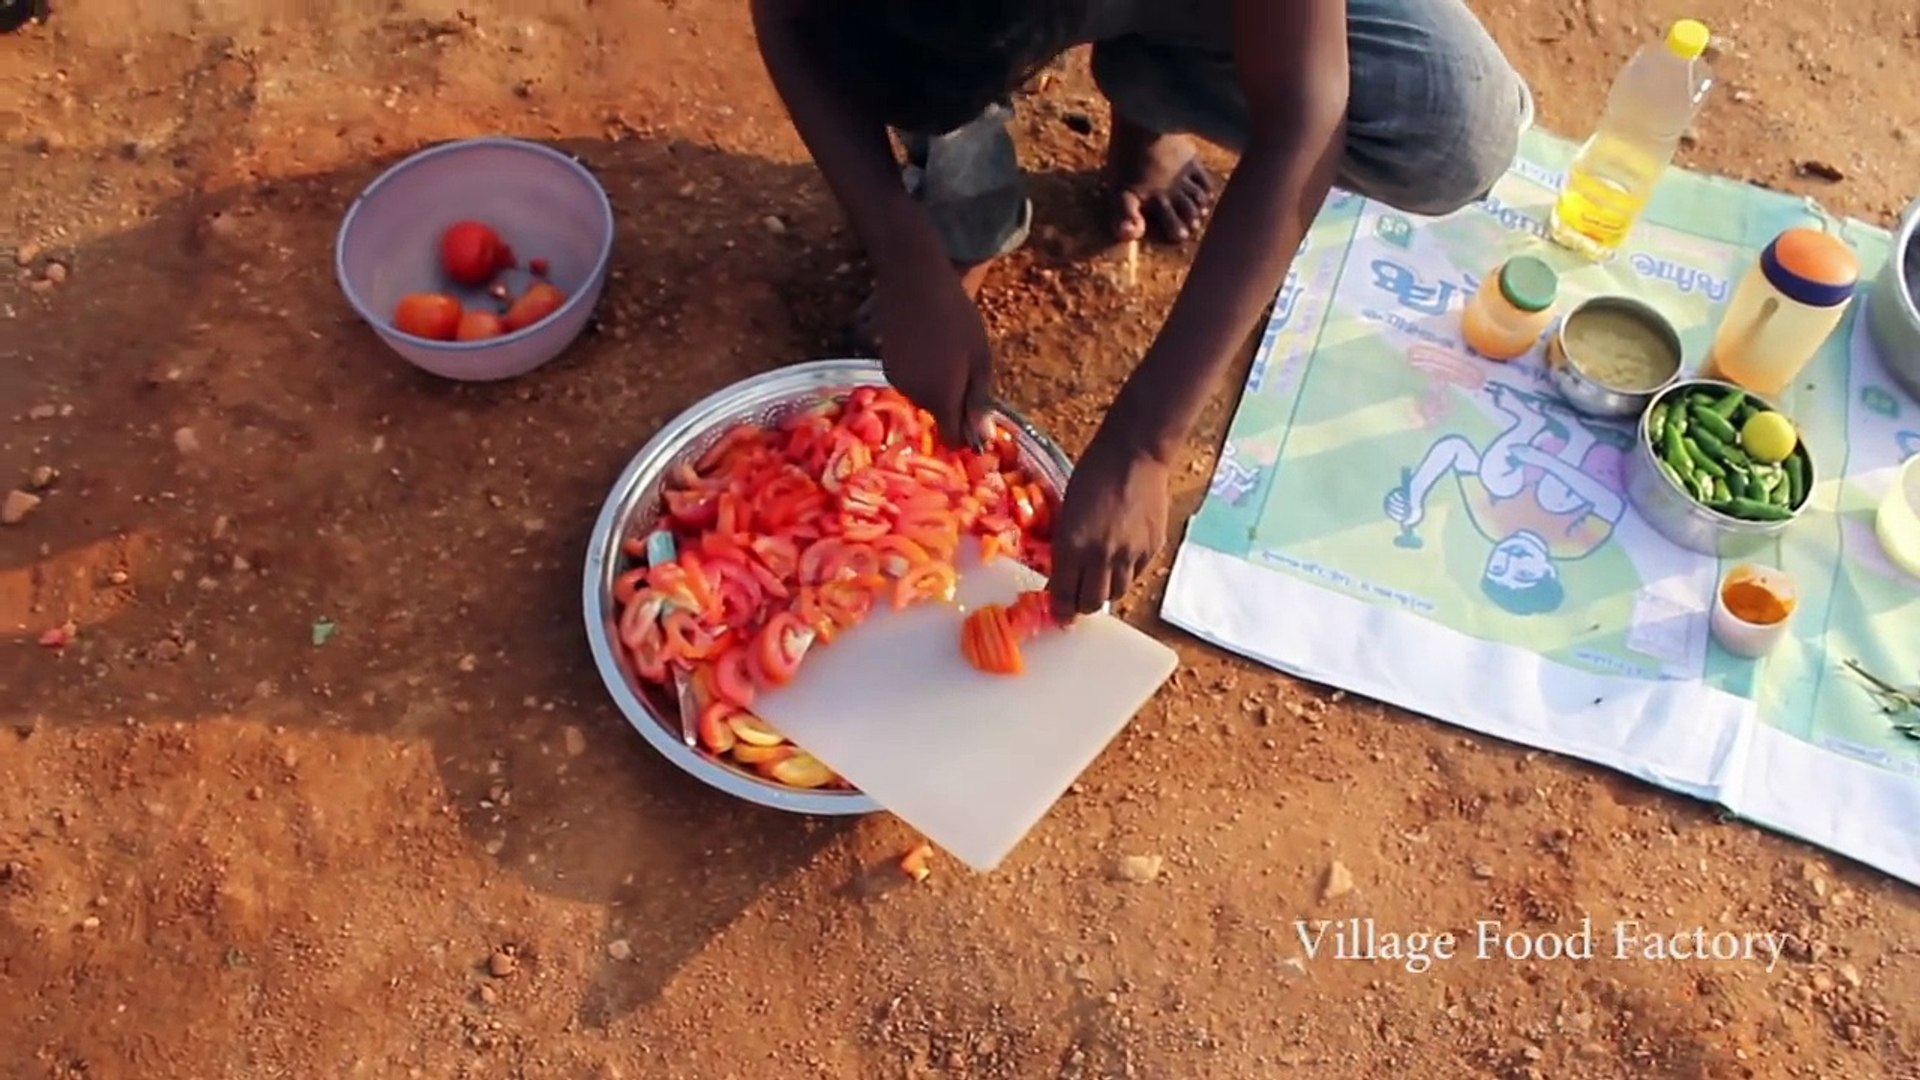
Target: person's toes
1193	186
1129	222
1197	175
1165	218
1189	212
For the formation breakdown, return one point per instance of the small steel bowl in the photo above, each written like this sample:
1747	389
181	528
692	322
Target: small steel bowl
1673	511
1893	311
633	508
1588	394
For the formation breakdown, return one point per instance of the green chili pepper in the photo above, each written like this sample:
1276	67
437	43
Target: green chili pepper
1725	453
1713	423
1701	460
1706	440
1721	492
1758	511
1657	417
1672	474
1796	465
1727	406
1739	483
1674	449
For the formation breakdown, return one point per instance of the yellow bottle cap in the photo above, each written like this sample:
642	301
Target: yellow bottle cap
1688	38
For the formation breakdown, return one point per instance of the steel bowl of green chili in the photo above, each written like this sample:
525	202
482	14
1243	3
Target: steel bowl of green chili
1709	476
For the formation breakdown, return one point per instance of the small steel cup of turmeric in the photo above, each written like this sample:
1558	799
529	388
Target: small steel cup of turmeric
1751	610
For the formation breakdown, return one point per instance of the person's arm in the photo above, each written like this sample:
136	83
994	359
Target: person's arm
846	137
933	345
1293	70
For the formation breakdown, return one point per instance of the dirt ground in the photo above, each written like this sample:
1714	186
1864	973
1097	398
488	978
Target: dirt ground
432	848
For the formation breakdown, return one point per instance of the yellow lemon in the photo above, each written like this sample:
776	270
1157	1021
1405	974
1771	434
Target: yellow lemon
1769	437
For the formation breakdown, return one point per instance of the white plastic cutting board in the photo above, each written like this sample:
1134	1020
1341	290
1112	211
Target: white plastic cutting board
971	760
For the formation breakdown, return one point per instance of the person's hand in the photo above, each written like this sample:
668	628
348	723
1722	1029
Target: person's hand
1111	525
1400	508
934	348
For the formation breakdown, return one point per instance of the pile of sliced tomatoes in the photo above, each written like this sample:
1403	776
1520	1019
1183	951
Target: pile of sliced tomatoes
992	634
780	538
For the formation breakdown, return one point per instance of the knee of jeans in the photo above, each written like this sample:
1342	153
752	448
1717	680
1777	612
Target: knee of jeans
1463	163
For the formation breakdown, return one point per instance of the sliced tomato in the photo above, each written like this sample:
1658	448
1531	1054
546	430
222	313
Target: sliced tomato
779	554
988	643
847	458
927	581
993	545
867	426
1042	506
864	493
898	554
682	584
696	688
730	514
851	561
861	529
802	770
1024	511
935	532
1030	613
732	680
692	509
641	619
783	642
752	730
847	601
817	557
627	586
757	756
899	416
688	640
807	605
712	728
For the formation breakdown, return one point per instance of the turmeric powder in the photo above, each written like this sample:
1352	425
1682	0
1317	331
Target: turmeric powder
1754	603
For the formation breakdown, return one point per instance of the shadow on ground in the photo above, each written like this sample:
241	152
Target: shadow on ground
261	516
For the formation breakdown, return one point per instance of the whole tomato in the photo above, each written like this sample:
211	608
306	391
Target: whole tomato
428	315
471	252
478	326
539	301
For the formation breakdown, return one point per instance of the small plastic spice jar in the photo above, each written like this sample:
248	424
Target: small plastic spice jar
1751	610
1509	313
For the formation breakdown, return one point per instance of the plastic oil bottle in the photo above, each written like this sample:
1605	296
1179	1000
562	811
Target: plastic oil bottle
1652	102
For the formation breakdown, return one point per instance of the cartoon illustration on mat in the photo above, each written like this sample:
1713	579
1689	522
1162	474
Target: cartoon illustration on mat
1545	491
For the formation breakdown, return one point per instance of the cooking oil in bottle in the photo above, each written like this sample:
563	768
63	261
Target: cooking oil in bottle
1612	177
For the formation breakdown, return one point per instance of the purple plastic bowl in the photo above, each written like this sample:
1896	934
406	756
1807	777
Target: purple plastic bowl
542	202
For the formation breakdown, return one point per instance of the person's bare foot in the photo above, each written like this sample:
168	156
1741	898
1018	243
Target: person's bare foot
1158	181
866	336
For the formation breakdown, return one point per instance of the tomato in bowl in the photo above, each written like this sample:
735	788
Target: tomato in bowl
420	235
